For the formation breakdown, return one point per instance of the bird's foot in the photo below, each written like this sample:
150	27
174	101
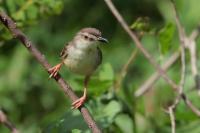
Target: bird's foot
79	102
54	70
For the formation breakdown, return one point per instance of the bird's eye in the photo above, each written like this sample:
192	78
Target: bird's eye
86	37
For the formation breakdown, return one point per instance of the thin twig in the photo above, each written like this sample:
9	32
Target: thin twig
182	81
171	110
147	85
190	105
193	57
181	30
181	86
139	44
9	23
4	120
188	42
195	33
172	119
183	44
149	57
124	70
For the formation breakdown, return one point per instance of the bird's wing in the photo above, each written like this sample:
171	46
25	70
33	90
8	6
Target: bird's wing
64	53
99	59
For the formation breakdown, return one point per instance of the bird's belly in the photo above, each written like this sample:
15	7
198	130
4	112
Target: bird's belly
81	63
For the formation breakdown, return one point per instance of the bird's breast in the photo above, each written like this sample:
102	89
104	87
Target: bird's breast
81	61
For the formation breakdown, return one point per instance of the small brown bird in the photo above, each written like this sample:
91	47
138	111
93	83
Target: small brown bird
82	56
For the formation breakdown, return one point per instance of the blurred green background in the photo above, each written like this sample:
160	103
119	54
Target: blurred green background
36	104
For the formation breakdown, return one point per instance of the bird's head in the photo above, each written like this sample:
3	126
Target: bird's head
89	37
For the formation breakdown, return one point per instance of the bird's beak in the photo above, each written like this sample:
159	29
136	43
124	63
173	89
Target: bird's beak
101	39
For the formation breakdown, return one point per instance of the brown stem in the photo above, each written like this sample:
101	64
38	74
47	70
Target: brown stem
149	57
146	86
124	70
4	120
172	119
10	24
139	44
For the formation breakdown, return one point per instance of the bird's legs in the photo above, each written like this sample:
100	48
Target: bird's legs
79	102
54	70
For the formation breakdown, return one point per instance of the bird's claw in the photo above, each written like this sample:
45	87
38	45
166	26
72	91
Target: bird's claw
54	70
79	102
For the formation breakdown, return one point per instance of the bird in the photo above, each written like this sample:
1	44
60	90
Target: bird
82	56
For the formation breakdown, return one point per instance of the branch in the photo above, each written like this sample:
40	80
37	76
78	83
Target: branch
139	44
192	50
146	86
183	43
187	102
124	70
10	24
190	105
149	57
195	33
4	120
172	119
181	30
188	42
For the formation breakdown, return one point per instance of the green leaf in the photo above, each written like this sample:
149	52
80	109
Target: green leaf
18	67
5	35
125	123
97	87
11	6
57	7
111	110
166	35
106	72
71	121
98	84
32	12
105	113
19	16
192	127
20	3
76	131
141	24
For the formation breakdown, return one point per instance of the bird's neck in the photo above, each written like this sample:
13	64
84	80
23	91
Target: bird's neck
84	45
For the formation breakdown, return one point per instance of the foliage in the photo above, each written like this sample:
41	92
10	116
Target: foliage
166	35
36	104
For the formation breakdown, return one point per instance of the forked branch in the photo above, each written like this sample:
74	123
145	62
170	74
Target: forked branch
149	57
10	24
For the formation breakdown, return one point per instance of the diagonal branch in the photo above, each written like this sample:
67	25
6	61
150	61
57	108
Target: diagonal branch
10	24
187	41
139	44
149	57
124	70
181	30
4	120
146	86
